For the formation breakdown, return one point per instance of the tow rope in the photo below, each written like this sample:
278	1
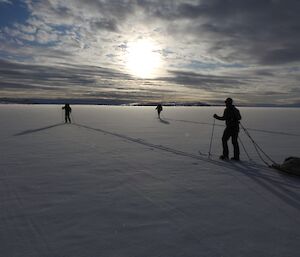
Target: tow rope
260	152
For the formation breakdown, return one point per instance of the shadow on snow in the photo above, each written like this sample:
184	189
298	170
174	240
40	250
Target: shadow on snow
258	173
267	179
30	131
164	121
250	129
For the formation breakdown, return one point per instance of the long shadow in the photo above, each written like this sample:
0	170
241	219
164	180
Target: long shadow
30	131
195	122
262	175
159	147
163	121
250	129
175	151
273	184
274	132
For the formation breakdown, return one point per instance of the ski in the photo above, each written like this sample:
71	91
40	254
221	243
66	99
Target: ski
205	154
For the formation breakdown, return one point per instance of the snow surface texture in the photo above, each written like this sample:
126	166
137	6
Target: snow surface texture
122	183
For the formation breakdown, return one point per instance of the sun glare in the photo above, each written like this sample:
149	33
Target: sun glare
143	59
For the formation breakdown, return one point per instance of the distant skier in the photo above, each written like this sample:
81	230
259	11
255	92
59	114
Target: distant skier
232	117
159	109
68	111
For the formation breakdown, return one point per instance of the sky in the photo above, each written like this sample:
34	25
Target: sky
144	51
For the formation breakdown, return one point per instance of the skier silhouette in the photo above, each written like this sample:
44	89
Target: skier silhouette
159	109
232	117
68	110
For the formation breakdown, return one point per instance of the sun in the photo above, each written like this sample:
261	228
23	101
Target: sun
143	59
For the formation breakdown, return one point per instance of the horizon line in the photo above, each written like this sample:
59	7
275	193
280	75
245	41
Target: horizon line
114	102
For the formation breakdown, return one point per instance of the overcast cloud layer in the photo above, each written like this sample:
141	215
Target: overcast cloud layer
211	49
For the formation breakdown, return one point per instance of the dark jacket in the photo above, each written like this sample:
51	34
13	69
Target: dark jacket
231	116
67	109
159	108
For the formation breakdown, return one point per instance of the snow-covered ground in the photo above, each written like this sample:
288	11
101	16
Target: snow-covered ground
122	183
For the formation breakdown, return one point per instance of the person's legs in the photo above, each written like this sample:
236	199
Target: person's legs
66	118
235	143
69	118
225	138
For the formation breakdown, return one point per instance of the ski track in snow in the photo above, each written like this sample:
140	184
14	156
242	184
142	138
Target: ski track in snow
37	239
248	168
252	170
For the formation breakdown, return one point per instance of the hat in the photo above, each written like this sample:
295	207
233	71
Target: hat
229	100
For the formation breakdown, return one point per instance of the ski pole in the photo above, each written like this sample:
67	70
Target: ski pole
73	120
62	116
211	138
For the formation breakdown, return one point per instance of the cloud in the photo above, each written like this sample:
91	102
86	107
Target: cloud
209	82
281	56
265	31
210	48
110	25
75	81
262	32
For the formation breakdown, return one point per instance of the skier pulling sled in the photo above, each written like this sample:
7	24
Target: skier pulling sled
232	118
